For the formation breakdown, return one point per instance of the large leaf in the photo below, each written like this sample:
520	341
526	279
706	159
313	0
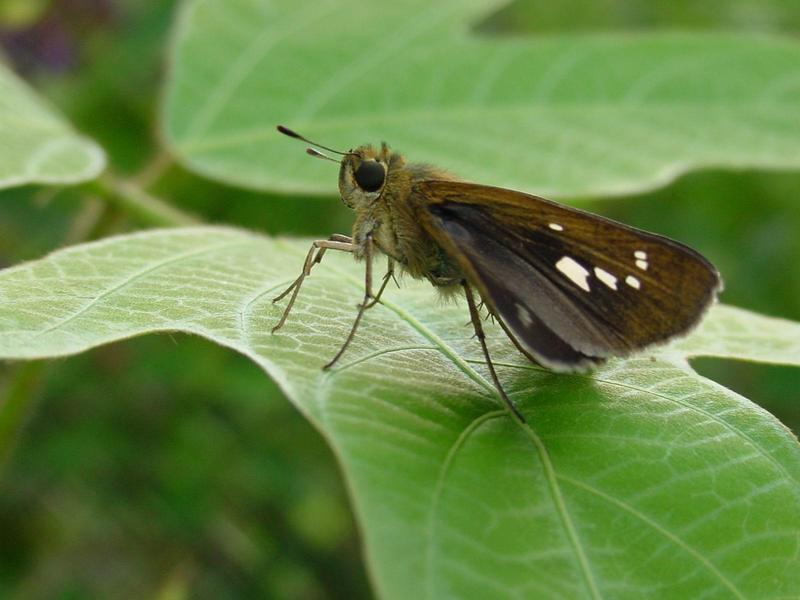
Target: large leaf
557	114
641	480
37	145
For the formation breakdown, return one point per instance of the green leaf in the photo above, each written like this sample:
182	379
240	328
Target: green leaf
561	115
735	333
37	145
641	480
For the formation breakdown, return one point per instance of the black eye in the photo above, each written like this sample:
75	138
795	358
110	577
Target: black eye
370	175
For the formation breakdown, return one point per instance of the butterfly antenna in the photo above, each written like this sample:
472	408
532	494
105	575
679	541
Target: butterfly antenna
318	154
294	134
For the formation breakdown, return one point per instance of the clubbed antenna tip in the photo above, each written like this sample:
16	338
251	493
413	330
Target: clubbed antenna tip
289	132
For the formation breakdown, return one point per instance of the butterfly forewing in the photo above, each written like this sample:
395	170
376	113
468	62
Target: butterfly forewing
569	285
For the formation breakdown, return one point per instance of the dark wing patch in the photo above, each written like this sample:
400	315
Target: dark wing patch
555	273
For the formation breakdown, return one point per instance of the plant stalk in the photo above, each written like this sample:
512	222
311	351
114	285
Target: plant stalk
144	206
16	405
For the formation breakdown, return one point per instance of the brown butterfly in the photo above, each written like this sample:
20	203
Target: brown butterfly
568	287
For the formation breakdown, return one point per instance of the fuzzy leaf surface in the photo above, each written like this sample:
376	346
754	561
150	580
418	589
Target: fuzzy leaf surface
558	115
38	146
639	480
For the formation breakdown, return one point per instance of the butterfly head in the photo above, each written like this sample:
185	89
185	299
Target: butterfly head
363	172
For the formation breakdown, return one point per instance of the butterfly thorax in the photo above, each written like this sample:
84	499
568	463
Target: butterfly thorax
394	222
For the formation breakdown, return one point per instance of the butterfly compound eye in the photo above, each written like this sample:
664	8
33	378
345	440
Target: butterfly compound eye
370	175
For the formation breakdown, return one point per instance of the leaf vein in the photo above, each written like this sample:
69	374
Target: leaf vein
660	529
437	492
149	269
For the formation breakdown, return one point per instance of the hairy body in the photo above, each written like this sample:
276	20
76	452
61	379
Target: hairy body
394	220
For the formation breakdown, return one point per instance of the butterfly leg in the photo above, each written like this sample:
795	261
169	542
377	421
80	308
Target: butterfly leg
320	246
336	237
367	249
314	257
475	317
389	275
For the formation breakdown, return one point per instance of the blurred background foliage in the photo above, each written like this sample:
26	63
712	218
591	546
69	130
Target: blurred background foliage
169	467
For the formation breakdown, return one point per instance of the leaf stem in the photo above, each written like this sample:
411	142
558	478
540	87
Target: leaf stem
155	168
16	401
141	204
16	404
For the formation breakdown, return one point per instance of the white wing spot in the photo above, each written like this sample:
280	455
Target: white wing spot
642	264
640	254
606	278
574	272
524	315
633	282
556	227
